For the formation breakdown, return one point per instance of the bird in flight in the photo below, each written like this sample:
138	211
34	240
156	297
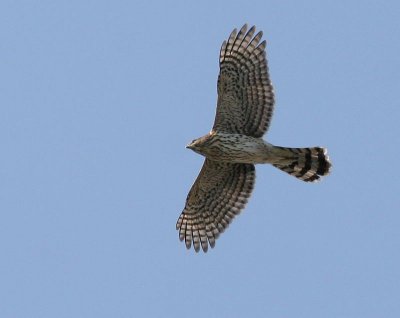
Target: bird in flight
234	145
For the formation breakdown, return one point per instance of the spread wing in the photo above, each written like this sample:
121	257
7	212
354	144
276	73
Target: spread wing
219	193
245	93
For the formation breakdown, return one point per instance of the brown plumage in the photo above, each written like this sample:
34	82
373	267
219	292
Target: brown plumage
245	93
244	111
219	193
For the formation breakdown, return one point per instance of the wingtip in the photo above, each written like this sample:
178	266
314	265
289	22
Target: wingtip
253	28
188	243
243	29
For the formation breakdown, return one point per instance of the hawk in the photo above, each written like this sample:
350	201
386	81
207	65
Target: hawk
234	145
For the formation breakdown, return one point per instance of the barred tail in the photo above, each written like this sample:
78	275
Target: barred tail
307	164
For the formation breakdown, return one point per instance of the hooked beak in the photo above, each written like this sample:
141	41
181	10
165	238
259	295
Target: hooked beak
189	146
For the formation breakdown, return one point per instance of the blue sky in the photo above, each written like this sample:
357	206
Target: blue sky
98	100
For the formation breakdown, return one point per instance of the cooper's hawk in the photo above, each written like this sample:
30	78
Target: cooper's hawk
235	144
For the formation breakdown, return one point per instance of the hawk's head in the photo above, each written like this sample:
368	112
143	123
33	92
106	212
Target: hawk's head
199	145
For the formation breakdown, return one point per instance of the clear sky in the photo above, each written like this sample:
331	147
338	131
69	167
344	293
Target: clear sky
97	102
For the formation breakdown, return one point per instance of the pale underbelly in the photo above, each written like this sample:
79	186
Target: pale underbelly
246	152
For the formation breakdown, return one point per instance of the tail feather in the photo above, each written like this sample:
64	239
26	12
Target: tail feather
307	164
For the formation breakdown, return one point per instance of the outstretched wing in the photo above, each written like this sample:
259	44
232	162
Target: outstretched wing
245	93
219	193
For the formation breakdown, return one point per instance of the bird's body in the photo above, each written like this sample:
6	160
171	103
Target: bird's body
234	148
235	144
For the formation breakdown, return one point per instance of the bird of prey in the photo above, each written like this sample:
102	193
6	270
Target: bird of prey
234	144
